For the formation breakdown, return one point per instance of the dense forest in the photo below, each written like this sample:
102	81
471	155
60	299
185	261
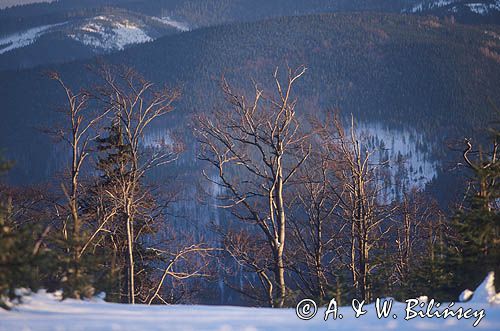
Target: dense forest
399	70
202	13
199	13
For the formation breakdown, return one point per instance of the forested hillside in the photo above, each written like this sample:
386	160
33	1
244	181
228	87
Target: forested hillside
199	13
472	12
400	70
68	30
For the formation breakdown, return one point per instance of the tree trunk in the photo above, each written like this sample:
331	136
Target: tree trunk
131	273
280	266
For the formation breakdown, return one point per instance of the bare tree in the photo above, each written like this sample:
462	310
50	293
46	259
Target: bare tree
187	256
261	141
416	225
252	255
359	199
135	104
77	133
485	167
316	226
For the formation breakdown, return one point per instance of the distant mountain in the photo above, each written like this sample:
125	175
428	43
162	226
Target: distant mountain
82	37
196	13
68	30
12	3
430	76
475	11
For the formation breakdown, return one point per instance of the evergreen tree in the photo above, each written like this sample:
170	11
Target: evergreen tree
114	164
478	221
21	256
434	276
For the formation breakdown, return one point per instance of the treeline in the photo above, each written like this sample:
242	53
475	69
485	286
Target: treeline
308	213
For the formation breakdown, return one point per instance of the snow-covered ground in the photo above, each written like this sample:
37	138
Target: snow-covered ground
181	26
44	312
111	33
406	146
481	8
10	3
430	5
25	38
103	32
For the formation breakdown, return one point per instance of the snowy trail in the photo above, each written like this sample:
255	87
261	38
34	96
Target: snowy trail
45	312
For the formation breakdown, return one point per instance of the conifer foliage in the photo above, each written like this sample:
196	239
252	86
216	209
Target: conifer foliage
478	219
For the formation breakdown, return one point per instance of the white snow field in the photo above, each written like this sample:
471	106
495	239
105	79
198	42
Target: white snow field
44	312
181	26
481	8
111	33
25	38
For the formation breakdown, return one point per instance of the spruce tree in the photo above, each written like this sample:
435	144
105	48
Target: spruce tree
478	221
114	156
114	164
21	258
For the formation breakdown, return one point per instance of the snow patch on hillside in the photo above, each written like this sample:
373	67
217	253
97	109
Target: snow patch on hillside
478	8
181	26
25	38
430	5
482	8
12	3
405	153
109	33
44	311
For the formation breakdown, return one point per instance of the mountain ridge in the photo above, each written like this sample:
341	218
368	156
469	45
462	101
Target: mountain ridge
424	73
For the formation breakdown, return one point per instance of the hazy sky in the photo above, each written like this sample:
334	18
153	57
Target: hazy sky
8	3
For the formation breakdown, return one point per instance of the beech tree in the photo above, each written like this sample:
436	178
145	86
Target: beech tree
359	190
417	229
134	103
316	226
77	132
252	255
180	264
256	147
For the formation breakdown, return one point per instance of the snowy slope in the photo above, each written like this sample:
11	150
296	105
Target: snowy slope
10	3
426	5
400	147
483	8
25	38
101	33
45	312
181	26
110	33
479	7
